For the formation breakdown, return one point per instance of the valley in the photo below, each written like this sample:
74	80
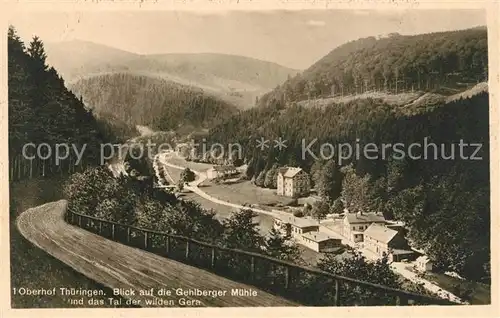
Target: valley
396	213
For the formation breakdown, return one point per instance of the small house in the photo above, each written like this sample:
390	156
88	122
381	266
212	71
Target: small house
423	264
319	241
380	239
295	226
221	171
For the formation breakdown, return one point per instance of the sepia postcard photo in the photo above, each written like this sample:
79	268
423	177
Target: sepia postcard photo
313	158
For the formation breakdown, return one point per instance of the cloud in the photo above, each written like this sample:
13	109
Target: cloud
317	23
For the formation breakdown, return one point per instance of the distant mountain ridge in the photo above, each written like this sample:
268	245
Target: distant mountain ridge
236	79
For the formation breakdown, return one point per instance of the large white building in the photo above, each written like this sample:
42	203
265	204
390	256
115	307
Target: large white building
293	182
354	225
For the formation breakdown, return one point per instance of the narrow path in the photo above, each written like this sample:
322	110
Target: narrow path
400	268
119	266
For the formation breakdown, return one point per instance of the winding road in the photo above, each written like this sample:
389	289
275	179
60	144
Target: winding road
202	176
115	265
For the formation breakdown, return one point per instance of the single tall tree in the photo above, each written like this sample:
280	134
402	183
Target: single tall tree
329	181
241	231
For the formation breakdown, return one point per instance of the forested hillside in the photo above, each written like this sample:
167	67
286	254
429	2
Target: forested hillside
445	202
236	79
158	103
444	62
42	109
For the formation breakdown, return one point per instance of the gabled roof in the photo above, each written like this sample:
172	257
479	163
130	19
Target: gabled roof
318	236
355	218
380	233
298	222
290	172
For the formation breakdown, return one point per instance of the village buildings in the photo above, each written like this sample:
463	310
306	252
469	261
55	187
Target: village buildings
289	225
221	171
306	232
382	240
183	149
293	182
354	225
319	241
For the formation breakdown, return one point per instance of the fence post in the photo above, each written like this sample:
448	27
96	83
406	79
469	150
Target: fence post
336	296
80	221
401	300
100	227
146	240
213	257
128	235
168	244
18	169
187	249
252	268
112	231
287	277
72	218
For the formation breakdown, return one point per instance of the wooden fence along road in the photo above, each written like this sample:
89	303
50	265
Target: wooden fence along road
99	256
116	265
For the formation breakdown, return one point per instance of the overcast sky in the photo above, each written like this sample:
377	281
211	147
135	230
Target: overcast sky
290	38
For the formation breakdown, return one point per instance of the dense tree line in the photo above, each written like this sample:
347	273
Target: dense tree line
158	103
440	61
443	201
43	110
131	201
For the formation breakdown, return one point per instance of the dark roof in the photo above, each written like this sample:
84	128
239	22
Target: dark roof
355	218
398	251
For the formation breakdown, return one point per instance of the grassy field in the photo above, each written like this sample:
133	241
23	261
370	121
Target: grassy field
245	192
222	211
33	268
174	174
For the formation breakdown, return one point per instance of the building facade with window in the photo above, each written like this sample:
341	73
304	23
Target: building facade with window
293	182
295	226
355	224
380	239
319	241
